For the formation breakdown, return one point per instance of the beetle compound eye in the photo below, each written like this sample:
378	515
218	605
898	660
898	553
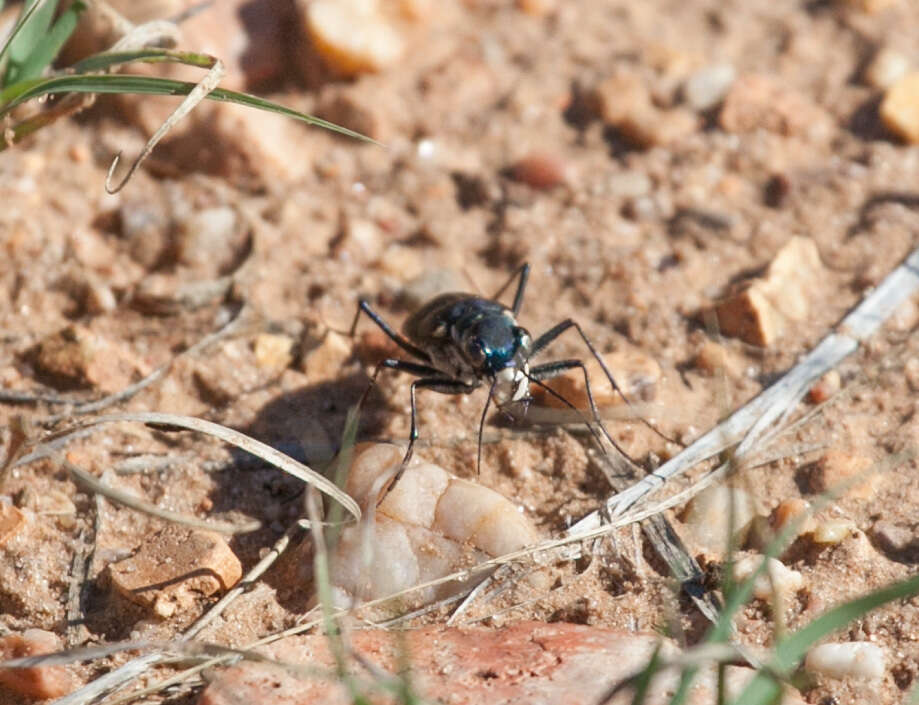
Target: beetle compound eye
476	350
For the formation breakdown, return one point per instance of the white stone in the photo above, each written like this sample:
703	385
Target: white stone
854	659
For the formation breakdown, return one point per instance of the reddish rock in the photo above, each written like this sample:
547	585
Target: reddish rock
39	682
529	663
173	567
540	170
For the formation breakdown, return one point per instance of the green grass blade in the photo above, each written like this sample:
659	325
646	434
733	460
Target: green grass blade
149	85
764	688
47	47
105	60
32	25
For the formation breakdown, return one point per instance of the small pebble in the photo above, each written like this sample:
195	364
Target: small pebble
825	387
900	108
707	87
780	579
760	311
273	352
11	521
789	511
714	358
658	128
540	170
352	36
886	68
853	659
39	682
708	516
629	184
620	96
833	531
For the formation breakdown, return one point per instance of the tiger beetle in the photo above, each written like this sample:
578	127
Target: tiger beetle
463	341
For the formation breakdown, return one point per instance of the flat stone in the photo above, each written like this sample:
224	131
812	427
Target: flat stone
898	541
528	663
39	682
324	362
174	567
761	310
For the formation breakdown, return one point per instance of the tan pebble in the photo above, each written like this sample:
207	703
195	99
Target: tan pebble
833	531
762	102
777	579
760	311
911	373
707	87
540	170
402	262
900	108
177	565
636	374
708	516
352	36
825	387
324	362
886	68
11	522
620	96
714	358
273	352
658	128
79	153
789	512
40	682
844	471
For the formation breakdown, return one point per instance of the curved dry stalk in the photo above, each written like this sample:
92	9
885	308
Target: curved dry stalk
261	450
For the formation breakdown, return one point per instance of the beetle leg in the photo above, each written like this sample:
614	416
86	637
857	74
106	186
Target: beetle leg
546	338
401	341
437	384
522	274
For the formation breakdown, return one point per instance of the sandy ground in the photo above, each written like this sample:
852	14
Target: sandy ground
635	241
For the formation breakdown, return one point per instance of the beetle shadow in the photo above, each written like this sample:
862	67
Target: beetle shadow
307	424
